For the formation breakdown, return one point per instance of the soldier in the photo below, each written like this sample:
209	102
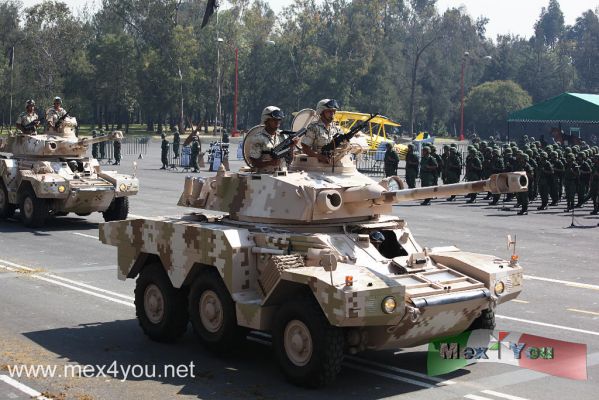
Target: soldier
391	160
474	170
194	153
545	179
486	163
116	145
428	168
264	141
571	178
594	191
412	164
440	165
585	175
102	146
164	151
558	172
28	120
523	165
321	132
95	145
496	166
453	168
176	142
508	166
55	113
444	158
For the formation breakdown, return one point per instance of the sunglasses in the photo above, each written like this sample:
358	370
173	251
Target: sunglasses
277	114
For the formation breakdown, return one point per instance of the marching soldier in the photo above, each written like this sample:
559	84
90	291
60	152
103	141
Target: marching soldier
390	161
453	168
545	180
571	178
176	142
428	168
523	165
497	167
102	146
474	170
194	153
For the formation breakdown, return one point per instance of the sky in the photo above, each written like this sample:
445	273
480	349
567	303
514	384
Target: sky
515	17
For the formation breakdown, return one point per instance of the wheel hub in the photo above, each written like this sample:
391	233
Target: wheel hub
154	303
28	207
211	311
298	343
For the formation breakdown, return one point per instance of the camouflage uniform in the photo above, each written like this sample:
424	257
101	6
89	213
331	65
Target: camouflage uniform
176	142
54	115
260	146
453	169
195	152
25	118
164	152
571	177
317	135
473	171
116	145
412	164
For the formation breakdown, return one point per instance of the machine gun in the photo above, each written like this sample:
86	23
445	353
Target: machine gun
59	120
31	126
281	150
328	148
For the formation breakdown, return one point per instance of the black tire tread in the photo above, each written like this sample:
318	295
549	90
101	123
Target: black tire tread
118	210
486	320
9	210
41	209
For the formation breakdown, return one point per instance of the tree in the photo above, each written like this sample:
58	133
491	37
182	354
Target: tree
488	105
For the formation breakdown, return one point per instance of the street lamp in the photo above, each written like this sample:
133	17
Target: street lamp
464	58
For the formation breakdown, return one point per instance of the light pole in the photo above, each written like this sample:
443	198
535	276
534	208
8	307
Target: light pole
464	58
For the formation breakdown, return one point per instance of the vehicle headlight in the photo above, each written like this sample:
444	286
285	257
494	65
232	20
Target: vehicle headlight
499	287
61	189
123	187
389	304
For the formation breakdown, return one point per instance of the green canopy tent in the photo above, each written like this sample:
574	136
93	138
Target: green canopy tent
567	108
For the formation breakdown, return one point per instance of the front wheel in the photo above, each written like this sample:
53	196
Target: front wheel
160	308
7	210
33	209
308	348
486	320
118	210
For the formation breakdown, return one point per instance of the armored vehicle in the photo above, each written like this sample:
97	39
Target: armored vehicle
314	257
50	175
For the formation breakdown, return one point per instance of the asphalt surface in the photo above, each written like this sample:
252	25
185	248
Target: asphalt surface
63	305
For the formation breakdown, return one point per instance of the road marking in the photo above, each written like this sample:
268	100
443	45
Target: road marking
390	376
567	328
520	301
502	395
90	286
84	235
567	283
23	388
583	311
475	397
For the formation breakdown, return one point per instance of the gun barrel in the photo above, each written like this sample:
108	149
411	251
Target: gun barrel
114	135
507	182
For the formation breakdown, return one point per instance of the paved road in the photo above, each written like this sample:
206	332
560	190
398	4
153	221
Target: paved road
62	305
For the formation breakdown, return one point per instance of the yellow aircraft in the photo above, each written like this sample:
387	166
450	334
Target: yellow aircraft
376	129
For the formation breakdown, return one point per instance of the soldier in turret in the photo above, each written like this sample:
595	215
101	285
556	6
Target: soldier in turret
321	132
55	113
27	118
263	142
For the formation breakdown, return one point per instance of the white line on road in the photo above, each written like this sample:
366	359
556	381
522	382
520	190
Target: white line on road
84	235
567	283
390	376
583	311
502	395
475	397
567	328
23	388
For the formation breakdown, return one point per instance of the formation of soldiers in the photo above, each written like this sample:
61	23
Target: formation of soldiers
555	172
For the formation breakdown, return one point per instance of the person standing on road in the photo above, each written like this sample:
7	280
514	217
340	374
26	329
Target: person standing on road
116	146
102	146
95	145
545	178
523	165
176	142
321	132
571	177
390	161
594	191
496	168
164	151
428	168
473	171
453	169
412	164
194	153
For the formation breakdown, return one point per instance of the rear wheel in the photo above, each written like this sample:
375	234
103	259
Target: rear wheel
160	308
7	210
118	210
34	210
486	320
308	348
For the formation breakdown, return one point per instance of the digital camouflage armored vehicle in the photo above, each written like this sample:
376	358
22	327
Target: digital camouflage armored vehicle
50	175
313	256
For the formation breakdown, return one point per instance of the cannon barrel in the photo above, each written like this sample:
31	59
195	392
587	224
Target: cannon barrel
114	135
506	182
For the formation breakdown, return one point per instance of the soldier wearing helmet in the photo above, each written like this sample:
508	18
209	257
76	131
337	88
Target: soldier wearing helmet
27	117
265	140
321	132
55	113
571	177
412	166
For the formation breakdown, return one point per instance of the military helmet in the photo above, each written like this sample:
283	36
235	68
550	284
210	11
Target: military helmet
543	154
326	104
496	151
376	236
453	145
271	112
57	99
30	102
410	147
507	150
453	149
526	157
570	156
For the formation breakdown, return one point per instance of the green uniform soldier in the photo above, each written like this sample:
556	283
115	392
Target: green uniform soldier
585	177
194	153
523	165
594	191
439	168
28	120
176	142
116	146
474	170
390	161
545	180
95	145
428	168
444	158
164	152
571	178
102	146
412	164
558	172
321	132
496	167
453	168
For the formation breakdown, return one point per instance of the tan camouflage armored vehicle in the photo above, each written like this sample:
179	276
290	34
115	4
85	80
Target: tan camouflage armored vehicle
50	175
313	256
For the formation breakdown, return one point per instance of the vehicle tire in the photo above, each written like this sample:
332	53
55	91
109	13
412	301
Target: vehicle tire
34	210
7	210
85	214
212	312
160	308
486	320
308	348
118	210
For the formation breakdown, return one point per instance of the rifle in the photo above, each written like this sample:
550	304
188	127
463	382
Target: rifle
31	126
328	148
59	120
281	150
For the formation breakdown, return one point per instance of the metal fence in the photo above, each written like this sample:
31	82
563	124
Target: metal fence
211	156
130	146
